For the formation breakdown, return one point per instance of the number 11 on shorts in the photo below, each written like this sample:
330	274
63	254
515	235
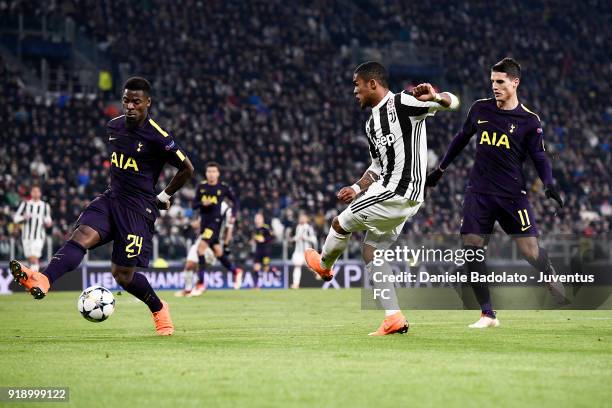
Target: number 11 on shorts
524	216
133	241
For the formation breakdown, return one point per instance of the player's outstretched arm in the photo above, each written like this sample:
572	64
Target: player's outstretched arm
456	146
537	152
180	178
426	93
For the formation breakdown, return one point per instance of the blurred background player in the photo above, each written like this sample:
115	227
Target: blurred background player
125	213
35	216
209	197
393	186
262	238
305	237
508	133
194	277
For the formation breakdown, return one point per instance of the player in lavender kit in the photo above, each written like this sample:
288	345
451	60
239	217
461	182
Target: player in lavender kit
507	134
262	238
126	212
209	197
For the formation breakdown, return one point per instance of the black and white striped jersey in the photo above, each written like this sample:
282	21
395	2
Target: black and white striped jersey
397	139
305	237
34	215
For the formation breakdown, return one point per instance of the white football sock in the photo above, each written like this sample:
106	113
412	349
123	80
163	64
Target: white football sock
297	275
334	246
390	305
188	277
390	312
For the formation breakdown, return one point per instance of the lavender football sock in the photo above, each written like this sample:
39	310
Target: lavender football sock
65	260
141	288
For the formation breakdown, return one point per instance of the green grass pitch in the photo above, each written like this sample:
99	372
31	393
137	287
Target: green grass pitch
304	348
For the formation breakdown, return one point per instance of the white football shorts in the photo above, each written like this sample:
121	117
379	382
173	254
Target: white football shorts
33	247
381	213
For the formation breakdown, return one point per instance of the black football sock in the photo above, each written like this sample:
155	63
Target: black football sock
227	263
201	268
481	290
542	264
66	259
200	276
141	288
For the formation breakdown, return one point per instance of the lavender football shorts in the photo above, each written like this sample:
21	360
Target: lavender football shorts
514	215
130	231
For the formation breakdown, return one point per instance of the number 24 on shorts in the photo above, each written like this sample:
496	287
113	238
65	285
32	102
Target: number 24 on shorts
133	241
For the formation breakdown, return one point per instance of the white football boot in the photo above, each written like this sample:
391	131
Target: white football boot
485	322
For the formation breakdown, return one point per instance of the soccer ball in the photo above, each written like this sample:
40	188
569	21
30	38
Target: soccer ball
96	304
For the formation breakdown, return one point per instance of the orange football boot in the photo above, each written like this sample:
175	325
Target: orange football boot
163	322
34	282
313	260
396	323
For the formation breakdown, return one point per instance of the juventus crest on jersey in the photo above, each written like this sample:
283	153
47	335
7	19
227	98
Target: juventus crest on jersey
397	139
34	215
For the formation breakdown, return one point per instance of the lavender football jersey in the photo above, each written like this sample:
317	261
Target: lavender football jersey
137	157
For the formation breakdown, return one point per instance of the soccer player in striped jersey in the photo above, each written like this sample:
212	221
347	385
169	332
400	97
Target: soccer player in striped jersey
125	213
35	215
305	237
507	134
392	188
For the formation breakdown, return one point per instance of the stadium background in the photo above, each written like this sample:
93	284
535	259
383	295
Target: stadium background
265	89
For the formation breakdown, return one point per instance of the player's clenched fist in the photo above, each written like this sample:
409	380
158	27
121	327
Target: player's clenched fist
161	205
424	92
346	194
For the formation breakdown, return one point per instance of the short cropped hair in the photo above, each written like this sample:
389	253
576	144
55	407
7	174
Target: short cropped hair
373	70
508	65
137	83
213	164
